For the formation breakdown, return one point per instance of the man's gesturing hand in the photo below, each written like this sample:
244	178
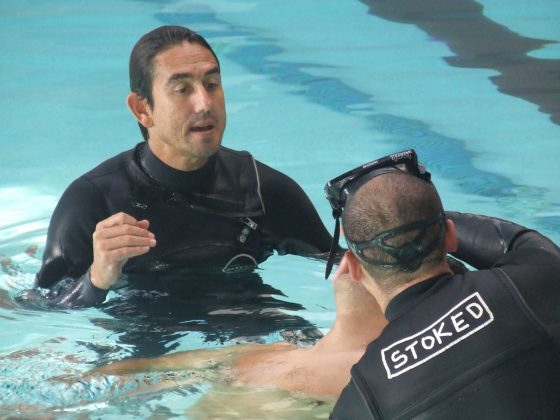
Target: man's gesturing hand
115	240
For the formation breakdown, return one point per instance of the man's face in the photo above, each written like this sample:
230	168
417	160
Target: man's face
188	114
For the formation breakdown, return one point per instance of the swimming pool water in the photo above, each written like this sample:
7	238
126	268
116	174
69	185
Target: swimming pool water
312	88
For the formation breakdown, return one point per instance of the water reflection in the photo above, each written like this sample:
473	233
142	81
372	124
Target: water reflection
149	314
479	42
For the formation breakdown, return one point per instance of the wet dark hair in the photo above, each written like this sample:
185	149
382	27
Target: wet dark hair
388	202
141	64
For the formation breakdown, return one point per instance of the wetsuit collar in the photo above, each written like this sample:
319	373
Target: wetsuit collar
413	295
182	181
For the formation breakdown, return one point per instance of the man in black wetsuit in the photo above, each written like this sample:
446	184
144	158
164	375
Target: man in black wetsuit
179	200
477	345
184	219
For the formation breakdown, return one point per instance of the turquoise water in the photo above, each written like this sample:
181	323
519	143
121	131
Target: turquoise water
313	88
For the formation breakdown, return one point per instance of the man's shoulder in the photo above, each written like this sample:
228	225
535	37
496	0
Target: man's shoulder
111	165
112	171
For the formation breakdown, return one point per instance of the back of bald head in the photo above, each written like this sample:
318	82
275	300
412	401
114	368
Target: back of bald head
386	202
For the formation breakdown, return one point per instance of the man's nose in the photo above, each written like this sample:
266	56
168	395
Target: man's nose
201	99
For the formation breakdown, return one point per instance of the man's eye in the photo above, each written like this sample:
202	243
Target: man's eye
182	88
212	85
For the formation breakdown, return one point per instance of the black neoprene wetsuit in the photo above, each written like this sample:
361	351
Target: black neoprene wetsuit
479	345
226	217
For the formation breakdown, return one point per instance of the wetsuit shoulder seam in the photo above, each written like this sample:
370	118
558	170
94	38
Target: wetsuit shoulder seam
115	164
258	177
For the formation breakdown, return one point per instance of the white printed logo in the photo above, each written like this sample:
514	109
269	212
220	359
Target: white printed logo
464	319
241	263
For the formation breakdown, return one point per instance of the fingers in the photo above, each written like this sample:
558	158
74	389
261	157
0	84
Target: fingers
118	219
120	254
144	224
133	232
118	241
115	240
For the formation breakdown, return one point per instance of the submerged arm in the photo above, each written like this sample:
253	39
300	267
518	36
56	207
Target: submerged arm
191	359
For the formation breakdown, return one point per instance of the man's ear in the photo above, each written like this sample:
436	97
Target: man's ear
451	243
354	267
140	109
342	267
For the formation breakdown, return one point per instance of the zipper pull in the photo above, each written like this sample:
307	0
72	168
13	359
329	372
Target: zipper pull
249	224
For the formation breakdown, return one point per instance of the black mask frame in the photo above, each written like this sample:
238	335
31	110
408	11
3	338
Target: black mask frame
339	189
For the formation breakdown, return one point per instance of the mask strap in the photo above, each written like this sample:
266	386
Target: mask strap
410	255
334	243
